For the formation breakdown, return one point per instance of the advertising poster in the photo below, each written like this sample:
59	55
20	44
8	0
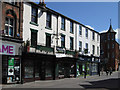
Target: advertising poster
10	70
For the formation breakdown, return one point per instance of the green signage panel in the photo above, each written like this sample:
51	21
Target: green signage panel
11	62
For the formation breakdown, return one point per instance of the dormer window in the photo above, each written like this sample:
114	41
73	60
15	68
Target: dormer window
9	27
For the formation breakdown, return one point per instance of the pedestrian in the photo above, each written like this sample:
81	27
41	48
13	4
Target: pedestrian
106	71
84	74
110	70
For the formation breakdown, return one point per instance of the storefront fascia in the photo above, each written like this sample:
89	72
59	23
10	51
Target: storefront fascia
11	68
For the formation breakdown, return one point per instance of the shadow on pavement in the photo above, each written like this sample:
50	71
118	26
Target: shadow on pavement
113	83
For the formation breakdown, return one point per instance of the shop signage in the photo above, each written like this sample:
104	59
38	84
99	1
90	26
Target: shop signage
58	55
7	49
60	50
11	62
10	70
81	58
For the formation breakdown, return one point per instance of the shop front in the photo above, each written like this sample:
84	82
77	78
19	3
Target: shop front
66	67
37	66
11	61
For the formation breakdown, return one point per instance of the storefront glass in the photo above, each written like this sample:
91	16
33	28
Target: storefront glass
49	69
29	69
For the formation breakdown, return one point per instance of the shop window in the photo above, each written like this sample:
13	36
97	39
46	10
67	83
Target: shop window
28	69
9	27
63	41
71	43
37	69
48	40
49	69
34	15
48	20
63	23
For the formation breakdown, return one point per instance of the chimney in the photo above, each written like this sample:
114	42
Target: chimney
42	3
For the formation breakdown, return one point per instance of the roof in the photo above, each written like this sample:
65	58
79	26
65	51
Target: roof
57	13
111	29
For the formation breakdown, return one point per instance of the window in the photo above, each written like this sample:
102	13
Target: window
93	35
48	40
93	49
113	55
80	46
34	15
62	40
71	27
71	43
34	38
97	50
112	36
9	26
113	45
108	36
80	30
86	34
97	37
48	20
86	46
63	23
14	2
108	46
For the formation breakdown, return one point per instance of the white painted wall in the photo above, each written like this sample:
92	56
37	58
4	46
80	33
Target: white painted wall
42	30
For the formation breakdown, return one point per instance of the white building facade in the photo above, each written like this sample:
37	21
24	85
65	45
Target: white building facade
52	44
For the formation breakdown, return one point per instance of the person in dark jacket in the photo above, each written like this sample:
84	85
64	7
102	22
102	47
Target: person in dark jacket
106	71
110	70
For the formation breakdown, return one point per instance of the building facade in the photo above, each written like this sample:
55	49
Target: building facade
51	48
11	40
109	50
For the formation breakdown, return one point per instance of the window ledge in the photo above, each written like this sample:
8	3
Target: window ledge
48	28
34	23
62	29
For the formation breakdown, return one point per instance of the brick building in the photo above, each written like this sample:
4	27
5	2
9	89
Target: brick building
109	50
11	40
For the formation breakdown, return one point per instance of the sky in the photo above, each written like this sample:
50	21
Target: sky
96	15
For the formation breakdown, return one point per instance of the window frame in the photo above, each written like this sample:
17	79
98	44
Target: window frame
93	35
80	46
63	42
71	27
48	22
8	25
62	23
86	33
34	16
93	49
32	39
80	30
71	43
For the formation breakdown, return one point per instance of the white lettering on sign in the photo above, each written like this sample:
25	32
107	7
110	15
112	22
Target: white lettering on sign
7	49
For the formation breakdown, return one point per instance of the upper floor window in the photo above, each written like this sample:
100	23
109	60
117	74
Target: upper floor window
80	30
93	35
112	36
34	37
97	50
71	43
80	46
86	33
9	26
71	27
63	23
86	46
108	36
62	40
93	49
48	40
14	2
97	37
48	20
34	15
113	45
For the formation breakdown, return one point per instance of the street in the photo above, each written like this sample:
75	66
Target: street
102	82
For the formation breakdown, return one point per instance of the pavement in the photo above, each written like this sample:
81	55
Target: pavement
95	82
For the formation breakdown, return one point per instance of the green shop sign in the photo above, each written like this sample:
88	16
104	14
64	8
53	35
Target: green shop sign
11	62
